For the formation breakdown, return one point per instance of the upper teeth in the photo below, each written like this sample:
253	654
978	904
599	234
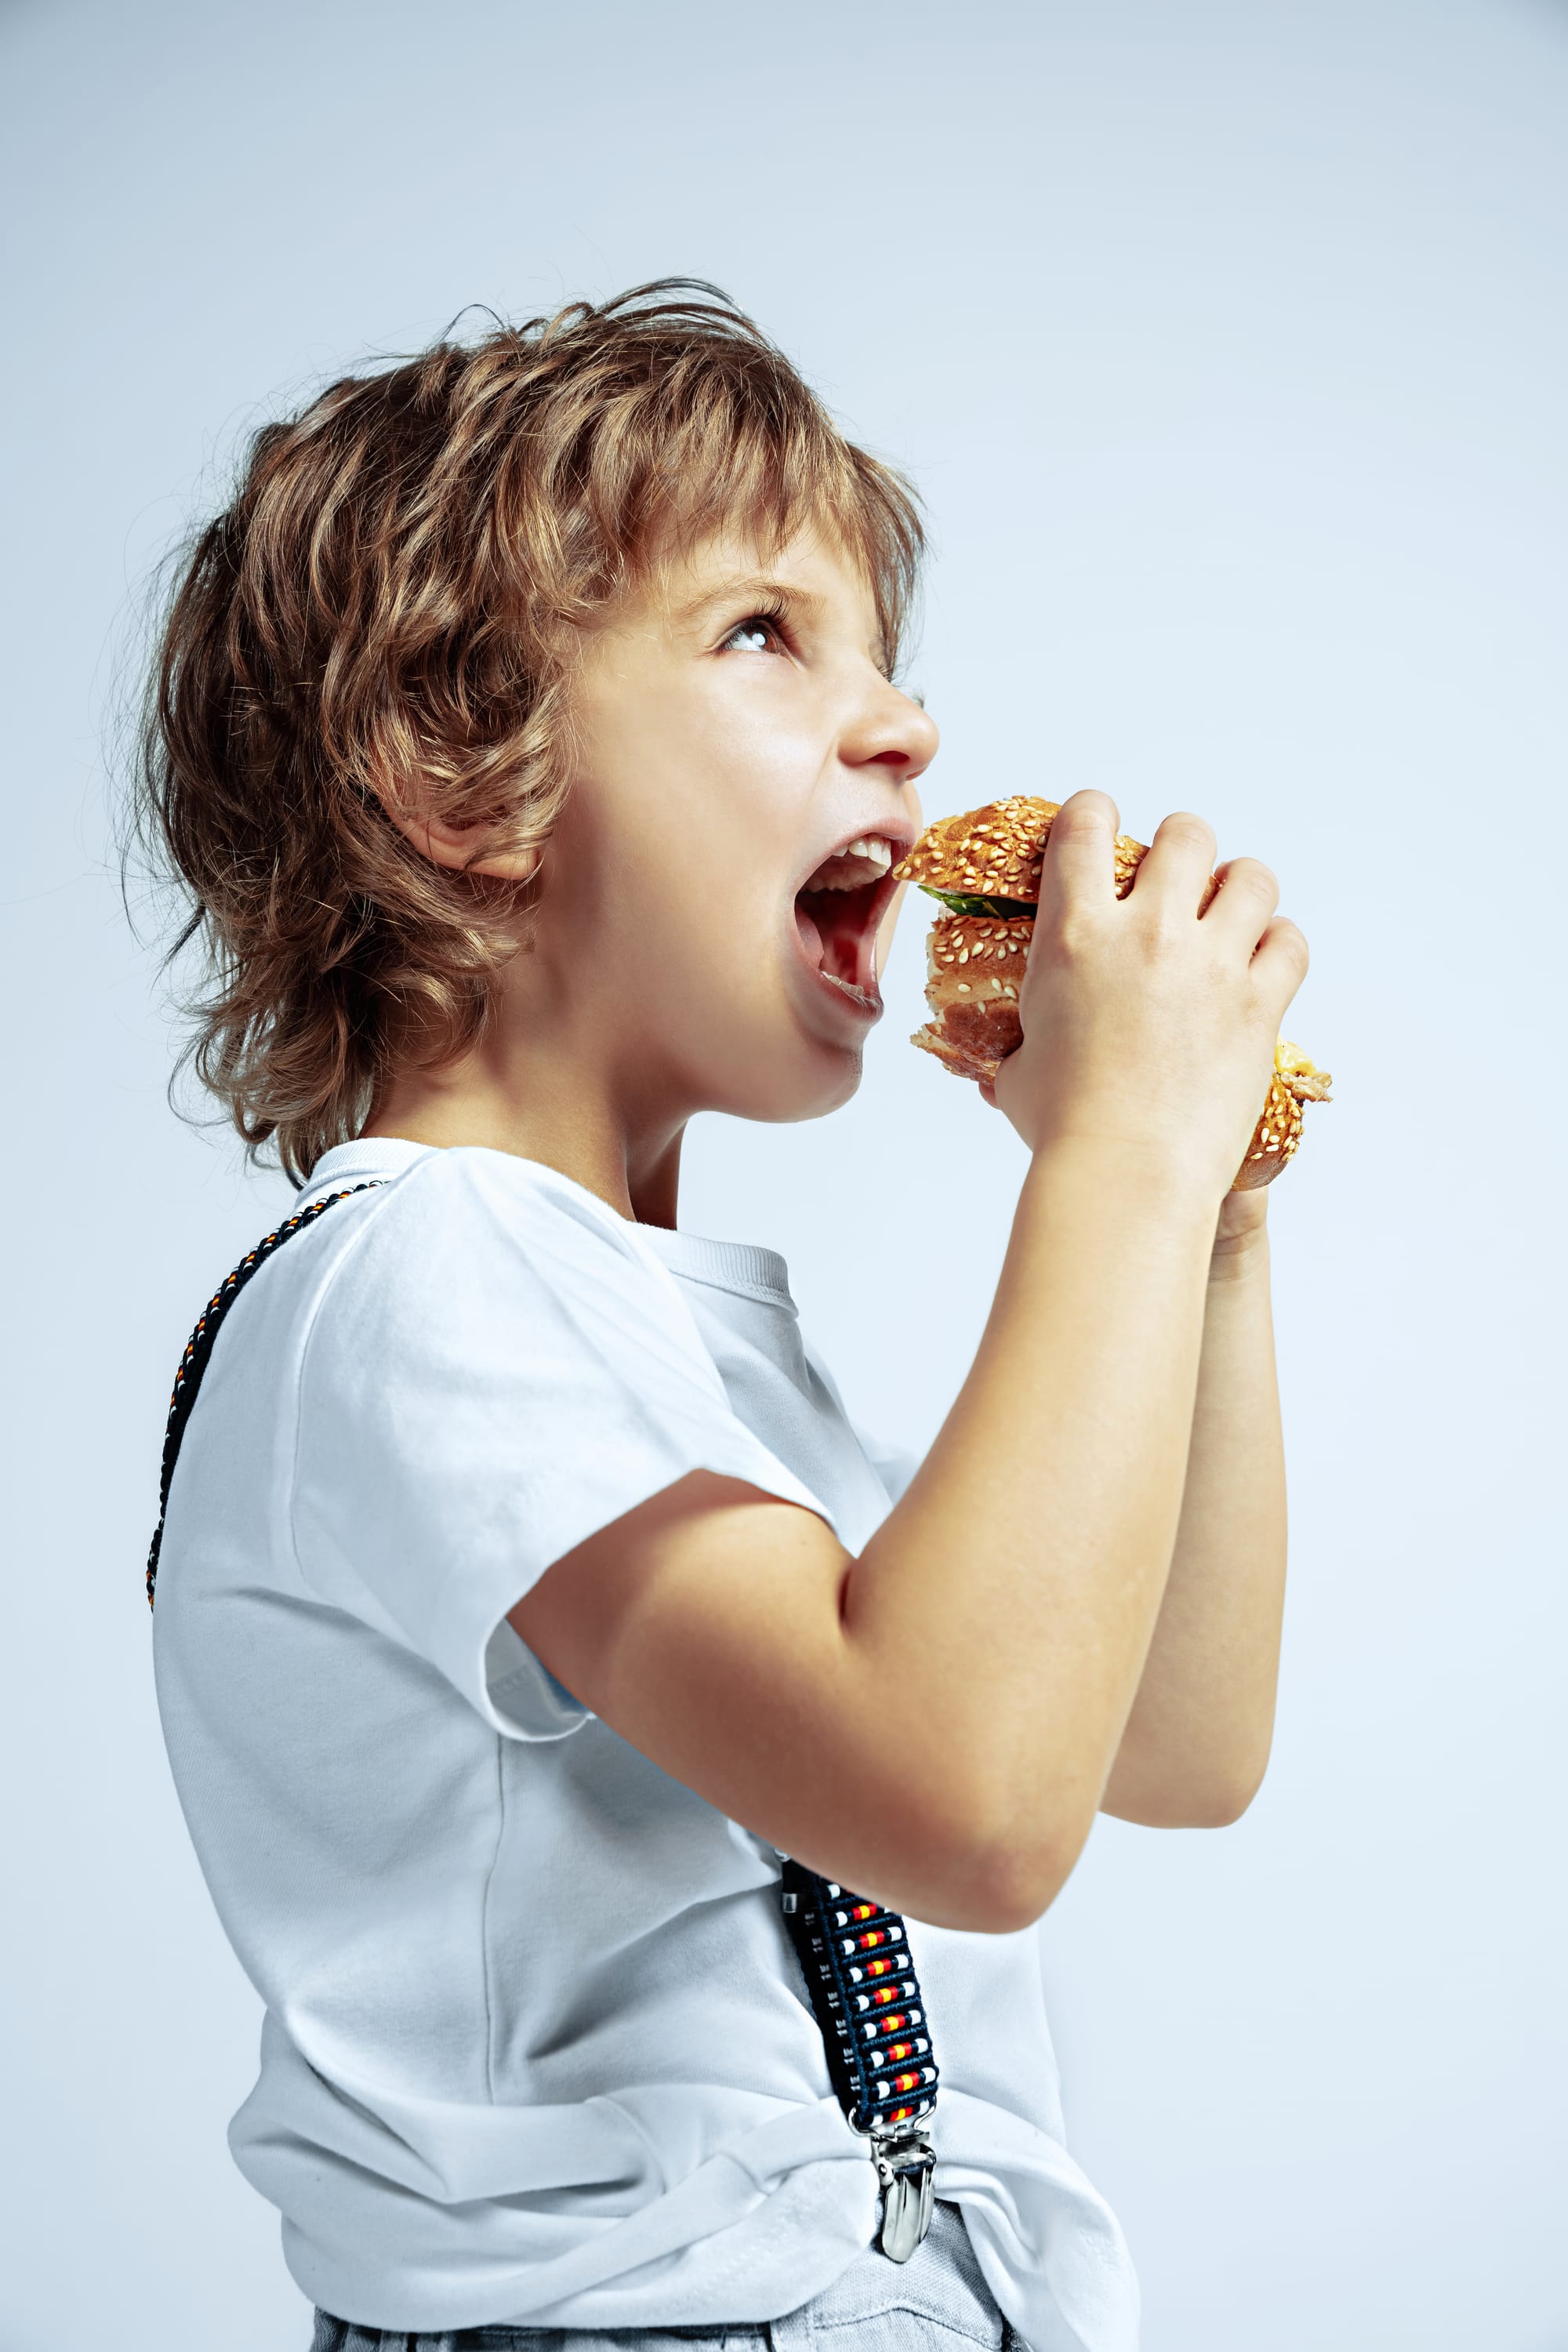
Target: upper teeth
846	870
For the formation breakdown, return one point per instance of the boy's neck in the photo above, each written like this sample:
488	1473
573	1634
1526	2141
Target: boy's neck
551	1113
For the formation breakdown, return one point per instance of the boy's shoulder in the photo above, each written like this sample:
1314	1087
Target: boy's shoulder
407	1214
474	1256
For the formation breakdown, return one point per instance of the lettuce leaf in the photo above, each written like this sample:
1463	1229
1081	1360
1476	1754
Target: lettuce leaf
958	905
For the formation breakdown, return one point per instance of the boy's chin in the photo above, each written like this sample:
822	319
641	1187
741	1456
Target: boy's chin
779	1082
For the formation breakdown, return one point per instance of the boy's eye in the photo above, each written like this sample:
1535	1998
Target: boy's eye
757	634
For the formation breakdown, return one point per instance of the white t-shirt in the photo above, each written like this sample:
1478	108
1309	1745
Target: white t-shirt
537	2049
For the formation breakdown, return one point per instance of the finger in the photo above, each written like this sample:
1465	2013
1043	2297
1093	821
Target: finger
1240	1214
1281	961
996	1090
1180	861
1247	897
1080	859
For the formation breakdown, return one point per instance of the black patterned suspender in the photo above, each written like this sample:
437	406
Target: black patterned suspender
854	1955
199	1347
870	2009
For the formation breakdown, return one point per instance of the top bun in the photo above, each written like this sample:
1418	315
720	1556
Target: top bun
995	852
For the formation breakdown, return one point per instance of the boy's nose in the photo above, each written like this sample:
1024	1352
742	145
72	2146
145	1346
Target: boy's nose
898	733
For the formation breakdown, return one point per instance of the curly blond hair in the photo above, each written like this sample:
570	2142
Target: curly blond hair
385	615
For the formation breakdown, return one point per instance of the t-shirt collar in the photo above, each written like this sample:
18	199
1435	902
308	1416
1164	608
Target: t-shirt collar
744	1267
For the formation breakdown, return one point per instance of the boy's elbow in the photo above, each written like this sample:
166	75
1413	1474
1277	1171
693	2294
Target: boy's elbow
1216	1807
1000	1864
1232	1780
1016	1891
1228	1793
996	1879
1212	1798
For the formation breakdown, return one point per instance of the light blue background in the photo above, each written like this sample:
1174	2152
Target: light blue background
1229	341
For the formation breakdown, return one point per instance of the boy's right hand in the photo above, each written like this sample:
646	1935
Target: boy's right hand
1145	1025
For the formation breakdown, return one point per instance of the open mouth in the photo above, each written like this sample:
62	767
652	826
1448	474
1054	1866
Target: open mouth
837	914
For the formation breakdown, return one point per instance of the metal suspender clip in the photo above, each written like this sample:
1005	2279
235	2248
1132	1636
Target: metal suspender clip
906	2167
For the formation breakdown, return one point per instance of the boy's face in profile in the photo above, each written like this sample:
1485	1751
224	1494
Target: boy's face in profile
716	894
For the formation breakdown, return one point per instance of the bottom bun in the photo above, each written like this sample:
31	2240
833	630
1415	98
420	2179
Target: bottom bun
964	1062
974	966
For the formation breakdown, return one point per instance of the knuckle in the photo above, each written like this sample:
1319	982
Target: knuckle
1188	830
1293	940
1251	874
1086	812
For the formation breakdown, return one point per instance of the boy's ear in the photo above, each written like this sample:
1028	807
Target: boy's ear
460	848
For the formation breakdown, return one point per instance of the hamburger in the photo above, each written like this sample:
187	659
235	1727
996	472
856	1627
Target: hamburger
984	867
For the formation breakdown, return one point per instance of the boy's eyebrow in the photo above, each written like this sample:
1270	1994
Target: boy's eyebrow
766	587
762	585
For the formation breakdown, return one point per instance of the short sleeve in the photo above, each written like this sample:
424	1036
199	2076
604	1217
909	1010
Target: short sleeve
496	1370
894	1466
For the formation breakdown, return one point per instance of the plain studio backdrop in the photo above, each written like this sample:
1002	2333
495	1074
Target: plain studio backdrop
1228	342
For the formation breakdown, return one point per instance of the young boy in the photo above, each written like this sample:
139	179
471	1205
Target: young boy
527	736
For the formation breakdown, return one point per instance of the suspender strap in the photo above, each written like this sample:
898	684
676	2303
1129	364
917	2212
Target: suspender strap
855	1956
199	1347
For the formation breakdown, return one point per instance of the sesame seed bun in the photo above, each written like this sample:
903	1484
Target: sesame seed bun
975	961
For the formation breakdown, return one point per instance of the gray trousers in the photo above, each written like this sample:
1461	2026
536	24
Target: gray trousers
936	2301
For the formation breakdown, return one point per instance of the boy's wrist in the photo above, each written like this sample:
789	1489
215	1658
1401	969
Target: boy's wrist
1133	1190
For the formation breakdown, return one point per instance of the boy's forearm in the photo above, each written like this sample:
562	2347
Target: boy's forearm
1010	1600
1197	1738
